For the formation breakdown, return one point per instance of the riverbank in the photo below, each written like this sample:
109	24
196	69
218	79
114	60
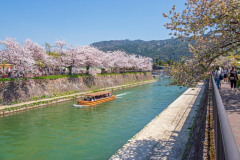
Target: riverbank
15	92
6	109
166	135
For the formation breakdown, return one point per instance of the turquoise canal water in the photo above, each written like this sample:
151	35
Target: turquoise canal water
62	131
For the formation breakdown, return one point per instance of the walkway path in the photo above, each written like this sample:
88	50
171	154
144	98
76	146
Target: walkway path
231	102
165	136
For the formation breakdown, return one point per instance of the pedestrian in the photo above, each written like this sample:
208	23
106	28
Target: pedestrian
216	77
9	74
1	74
225	75
8	70
233	78
221	77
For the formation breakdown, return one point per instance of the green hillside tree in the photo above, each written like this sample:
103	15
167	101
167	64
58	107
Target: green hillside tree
170	62
162	63
155	65
157	61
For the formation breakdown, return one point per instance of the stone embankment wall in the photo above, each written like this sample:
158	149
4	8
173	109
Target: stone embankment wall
18	91
161	72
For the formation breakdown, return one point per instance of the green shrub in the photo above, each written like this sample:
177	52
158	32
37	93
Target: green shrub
238	82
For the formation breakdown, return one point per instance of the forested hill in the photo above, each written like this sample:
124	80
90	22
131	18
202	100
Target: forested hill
172	49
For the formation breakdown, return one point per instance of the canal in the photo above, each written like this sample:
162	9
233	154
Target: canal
61	131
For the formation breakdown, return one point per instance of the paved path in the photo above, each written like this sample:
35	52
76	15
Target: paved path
166	135
231	102
46	99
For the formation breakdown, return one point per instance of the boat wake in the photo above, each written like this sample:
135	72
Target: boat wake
122	94
79	106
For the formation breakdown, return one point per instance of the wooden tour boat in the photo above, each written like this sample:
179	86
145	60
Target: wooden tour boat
92	99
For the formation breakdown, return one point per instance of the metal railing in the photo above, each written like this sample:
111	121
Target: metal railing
225	143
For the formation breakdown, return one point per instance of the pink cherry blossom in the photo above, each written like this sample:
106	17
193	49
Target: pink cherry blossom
31	57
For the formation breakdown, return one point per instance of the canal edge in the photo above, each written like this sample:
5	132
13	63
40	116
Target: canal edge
147	144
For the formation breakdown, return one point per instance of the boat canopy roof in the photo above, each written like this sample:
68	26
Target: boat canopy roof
97	93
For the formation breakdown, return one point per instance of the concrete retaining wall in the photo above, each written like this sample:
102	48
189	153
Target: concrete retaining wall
166	135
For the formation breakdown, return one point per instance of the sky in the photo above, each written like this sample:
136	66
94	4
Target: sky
82	22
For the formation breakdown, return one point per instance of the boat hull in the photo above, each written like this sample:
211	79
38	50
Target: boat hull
92	103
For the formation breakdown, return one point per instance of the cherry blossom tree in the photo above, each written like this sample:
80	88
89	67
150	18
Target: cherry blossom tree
119	59
18	55
73	58
93	71
40	56
134	61
91	56
59	45
58	54
105	61
147	63
214	25
33	57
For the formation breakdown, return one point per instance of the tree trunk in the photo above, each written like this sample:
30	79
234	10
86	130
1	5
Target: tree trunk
102	70
70	70
88	67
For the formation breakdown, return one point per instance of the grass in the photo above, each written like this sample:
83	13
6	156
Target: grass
68	76
11	79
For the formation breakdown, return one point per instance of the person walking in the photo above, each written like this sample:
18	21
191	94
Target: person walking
225	75
221	77
233	78
1	74
216	77
9	74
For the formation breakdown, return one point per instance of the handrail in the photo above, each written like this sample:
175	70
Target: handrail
225	143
